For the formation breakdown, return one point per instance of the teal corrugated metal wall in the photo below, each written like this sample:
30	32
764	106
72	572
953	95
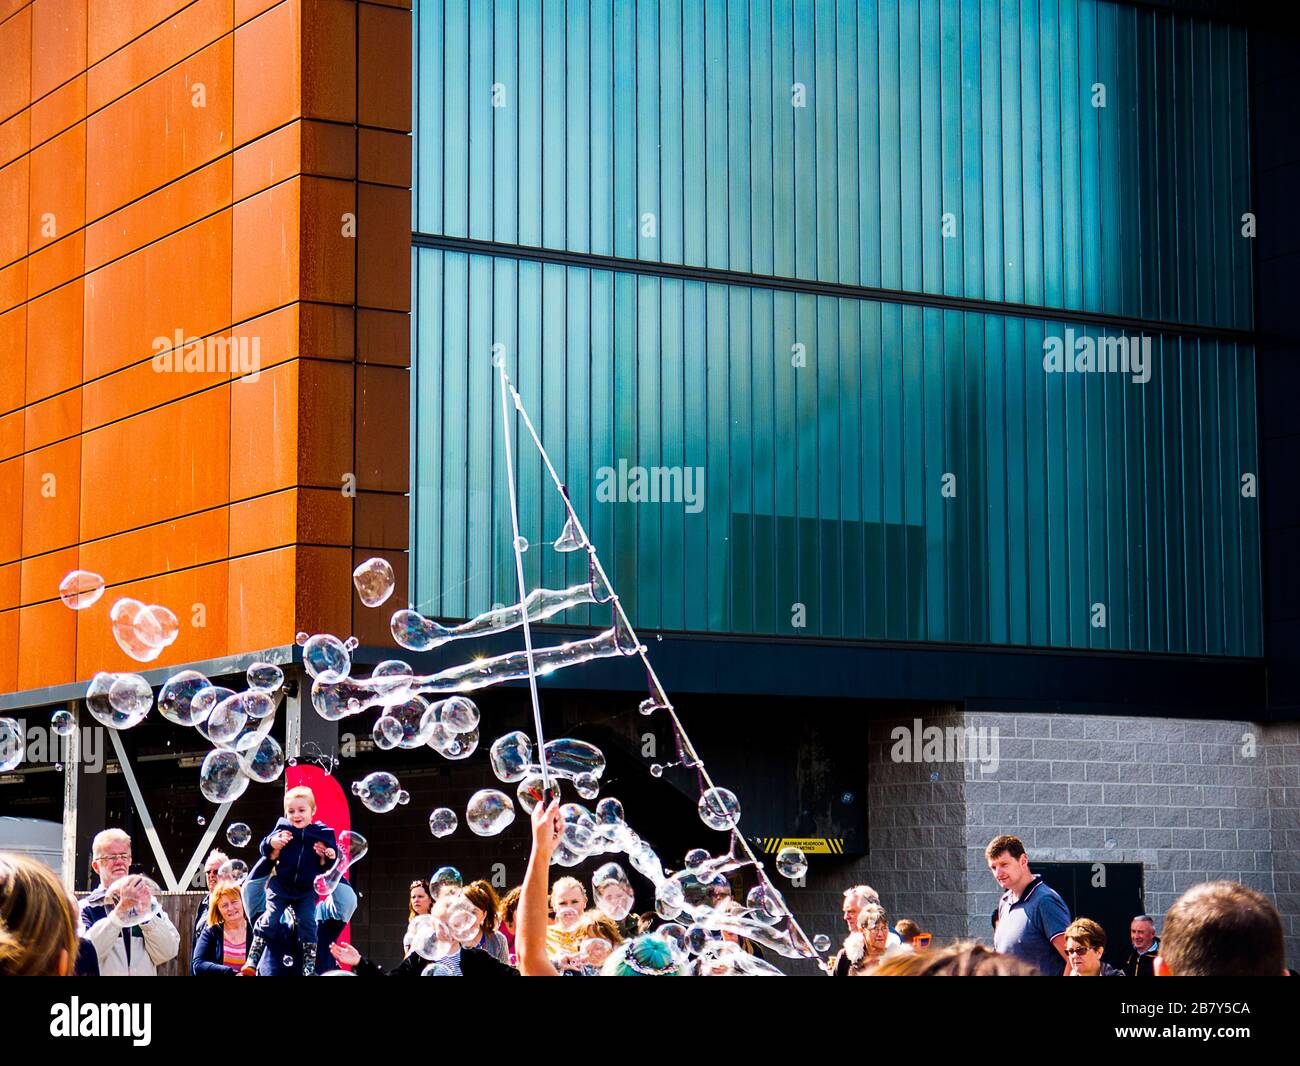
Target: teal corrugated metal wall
823	483
912	110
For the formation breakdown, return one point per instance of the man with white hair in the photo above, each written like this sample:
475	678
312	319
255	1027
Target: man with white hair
211	871
124	951
855	899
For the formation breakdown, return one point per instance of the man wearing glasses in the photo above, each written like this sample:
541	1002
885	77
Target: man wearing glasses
134	951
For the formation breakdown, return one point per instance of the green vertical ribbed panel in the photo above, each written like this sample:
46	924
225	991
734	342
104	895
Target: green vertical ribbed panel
869	469
955	147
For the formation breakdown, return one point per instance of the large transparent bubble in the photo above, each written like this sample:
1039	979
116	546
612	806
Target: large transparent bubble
374	581
380	792
511	756
220	778
568	757
489	812
238	835
443	822
791	862
176	697
265	677
326	658
133	900
130	708
81	589
612	891
719	808
261	758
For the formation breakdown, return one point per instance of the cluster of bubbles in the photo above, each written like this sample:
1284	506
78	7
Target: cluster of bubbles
143	630
244	752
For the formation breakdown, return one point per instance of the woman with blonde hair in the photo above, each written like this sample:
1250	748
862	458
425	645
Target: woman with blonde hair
38	920
222	947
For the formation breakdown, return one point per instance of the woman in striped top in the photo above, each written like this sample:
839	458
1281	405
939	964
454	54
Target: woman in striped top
223	945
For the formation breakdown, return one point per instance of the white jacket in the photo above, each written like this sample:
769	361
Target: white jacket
159	939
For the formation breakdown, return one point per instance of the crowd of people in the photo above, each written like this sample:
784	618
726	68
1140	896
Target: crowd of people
276	921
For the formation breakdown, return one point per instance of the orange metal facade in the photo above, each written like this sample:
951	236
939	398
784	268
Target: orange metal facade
232	172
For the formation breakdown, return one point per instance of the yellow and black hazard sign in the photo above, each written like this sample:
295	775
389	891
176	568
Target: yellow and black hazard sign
808	845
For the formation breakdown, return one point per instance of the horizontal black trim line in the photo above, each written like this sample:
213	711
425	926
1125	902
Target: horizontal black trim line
617	264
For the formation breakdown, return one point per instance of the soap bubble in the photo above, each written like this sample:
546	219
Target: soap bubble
510	756
445	875
102	708
380	791
176	697
563	855
374	581
81	589
567	757
130	696
265	677
226	721
233	870
459	714
63	723
612	891
156	626
416	719
791	862
387	731
609	811
201	820
220	778
430	938
529	791
351	850
326	658
238	835
719	808
651	705
403	797
521	544
489	812
204	703
300	639
463	921
822	942
656	770
288	962
390	681
134	900
352	644
122	616
443	822
257	703
262	758
461	745
763	906
675	937
695	857
569	539
577	828
594	951
588	786
11	744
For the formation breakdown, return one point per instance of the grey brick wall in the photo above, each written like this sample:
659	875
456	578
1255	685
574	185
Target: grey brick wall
1183	797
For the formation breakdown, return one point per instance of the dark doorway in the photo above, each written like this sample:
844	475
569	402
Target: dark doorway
1109	893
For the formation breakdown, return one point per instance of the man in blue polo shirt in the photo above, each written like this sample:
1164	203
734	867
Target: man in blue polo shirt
1032	918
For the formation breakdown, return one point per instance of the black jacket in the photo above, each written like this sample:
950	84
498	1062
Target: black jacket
473	963
1142	965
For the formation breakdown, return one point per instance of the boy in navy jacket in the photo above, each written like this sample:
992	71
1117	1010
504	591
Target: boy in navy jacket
300	849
